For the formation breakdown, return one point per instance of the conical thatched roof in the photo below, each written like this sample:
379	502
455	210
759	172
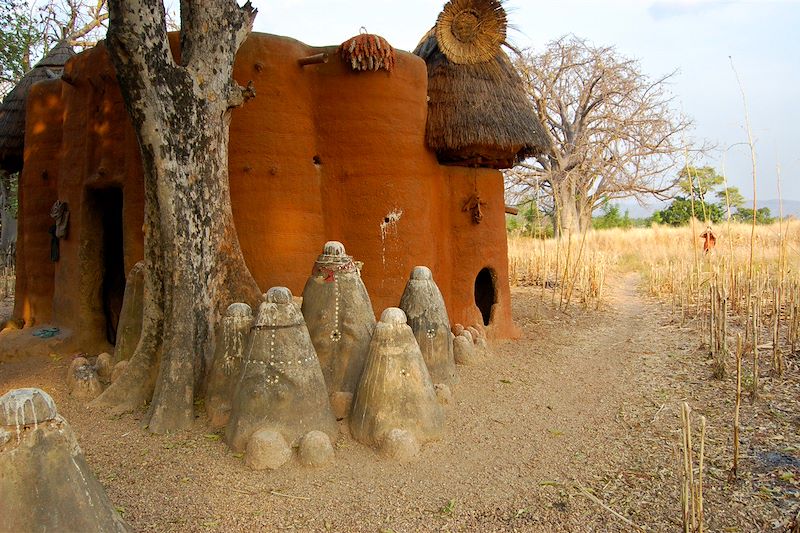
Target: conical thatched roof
479	113
12	110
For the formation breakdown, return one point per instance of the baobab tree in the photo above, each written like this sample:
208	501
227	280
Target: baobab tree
612	131
194	268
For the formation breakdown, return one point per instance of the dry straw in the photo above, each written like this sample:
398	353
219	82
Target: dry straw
471	31
12	110
479	112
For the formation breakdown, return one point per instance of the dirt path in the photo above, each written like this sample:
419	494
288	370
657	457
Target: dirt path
571	402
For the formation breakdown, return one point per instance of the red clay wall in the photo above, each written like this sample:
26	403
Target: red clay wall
322	153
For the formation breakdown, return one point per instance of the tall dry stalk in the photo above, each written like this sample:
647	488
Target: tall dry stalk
752	146
738	407
691	489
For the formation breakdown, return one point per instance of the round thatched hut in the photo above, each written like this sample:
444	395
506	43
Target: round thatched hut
478	114
12	110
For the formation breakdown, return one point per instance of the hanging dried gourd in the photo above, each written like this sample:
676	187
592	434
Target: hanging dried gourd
368	52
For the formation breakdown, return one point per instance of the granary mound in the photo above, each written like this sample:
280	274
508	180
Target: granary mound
340	320
427	315
281	388
395	391
45	483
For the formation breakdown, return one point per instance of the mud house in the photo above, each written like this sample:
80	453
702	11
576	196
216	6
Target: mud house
324	152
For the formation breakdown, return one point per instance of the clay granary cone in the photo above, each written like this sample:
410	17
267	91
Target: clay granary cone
427	315
281	387
45	483
130	318
395	391
339	315
233	338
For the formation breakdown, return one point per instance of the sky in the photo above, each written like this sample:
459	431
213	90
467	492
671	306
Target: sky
698	38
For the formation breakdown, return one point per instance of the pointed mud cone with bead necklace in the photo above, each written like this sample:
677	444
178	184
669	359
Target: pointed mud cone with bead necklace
233	338
281	388
427	315
339	315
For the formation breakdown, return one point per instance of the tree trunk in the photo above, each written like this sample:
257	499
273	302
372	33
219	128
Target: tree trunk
567	215
8	222
194	265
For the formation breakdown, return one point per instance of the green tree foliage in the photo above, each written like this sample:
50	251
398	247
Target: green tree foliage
612	218
763	215
531	221
679	212
30	28
733	196
19	37
698	181
701	182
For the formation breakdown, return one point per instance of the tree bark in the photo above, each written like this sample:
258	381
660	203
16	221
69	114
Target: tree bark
194	265
8	222
567	219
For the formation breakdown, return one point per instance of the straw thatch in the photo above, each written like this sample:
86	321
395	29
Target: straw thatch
479	113
12	110
471	31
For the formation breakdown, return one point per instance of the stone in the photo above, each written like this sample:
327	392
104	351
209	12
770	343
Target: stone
104	366
474	333
46	484
281	387
24	407
482	347
457	329
339	315
76	363
464	350
82	380
424	307
119	368
443	394
316	449
267	450
400	445
129	328
233	337
341	403
395	391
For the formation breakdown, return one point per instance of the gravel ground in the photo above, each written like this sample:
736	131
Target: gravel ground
586	403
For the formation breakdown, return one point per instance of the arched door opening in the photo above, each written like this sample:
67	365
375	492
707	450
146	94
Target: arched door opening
486	293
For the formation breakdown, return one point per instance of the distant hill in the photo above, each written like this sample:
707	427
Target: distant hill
790	207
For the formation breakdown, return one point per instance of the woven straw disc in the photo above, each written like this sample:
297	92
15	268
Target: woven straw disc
471	31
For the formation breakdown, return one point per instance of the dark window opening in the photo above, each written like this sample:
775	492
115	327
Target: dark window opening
107	206
485	294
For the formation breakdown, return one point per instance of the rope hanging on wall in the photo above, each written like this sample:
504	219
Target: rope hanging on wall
368	52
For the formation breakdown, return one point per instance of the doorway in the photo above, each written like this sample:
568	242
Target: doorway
106	206
486	293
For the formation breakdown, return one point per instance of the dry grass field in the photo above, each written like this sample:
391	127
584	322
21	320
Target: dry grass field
614	411
740	305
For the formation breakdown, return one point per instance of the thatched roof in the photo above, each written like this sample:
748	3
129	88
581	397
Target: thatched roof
479	113
12	110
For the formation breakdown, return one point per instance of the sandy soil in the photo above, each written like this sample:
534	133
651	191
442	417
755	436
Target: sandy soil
585	402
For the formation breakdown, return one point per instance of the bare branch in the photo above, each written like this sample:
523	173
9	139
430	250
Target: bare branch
613	132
